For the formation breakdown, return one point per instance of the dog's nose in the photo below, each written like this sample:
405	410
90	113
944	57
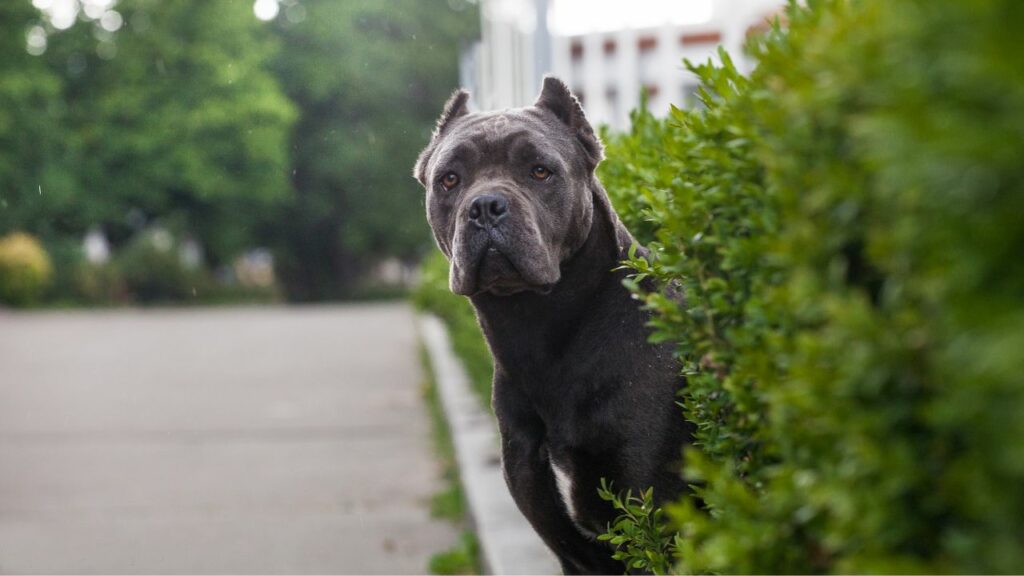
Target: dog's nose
488	209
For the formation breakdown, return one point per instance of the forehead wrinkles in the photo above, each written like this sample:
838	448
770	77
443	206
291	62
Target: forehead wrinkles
496	140
480	150
458	150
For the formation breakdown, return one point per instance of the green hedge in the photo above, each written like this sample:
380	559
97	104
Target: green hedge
847	224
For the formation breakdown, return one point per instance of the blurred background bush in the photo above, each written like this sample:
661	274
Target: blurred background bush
25	269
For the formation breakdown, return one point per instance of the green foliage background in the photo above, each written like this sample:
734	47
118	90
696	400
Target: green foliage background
197	118
33	154
183	124
370	77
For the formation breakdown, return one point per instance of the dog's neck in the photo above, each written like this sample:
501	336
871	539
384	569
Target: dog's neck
535	327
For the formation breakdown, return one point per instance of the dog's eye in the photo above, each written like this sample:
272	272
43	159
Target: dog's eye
540	173
449	180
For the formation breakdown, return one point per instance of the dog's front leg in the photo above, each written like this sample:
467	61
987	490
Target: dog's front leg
529	477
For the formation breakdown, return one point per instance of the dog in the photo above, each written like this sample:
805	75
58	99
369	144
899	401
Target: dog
580	394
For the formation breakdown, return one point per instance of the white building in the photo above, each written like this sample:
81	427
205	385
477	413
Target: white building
607	51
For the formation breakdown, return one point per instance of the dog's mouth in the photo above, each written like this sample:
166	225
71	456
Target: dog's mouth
496	273
494	270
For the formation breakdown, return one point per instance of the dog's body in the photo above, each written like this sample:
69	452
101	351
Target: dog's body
579	392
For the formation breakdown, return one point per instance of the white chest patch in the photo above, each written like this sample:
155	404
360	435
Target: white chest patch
565	489
564	483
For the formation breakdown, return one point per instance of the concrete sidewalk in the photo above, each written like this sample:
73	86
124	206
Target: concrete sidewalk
253	440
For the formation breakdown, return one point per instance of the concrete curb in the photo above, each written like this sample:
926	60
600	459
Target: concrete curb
508	544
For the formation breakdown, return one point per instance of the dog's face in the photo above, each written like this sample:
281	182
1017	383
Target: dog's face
509	195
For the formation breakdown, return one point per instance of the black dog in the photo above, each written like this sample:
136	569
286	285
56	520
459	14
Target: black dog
579	392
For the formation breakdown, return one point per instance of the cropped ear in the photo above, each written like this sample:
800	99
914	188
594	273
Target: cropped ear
456	107
556	98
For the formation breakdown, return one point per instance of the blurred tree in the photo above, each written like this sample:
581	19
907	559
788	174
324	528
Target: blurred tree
177	118
369	78
35	183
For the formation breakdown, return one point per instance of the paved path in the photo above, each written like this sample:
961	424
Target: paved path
215	440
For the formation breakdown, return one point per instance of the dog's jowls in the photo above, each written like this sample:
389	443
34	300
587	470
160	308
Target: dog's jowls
579	392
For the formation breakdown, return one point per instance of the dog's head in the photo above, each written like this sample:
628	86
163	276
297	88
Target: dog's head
511	194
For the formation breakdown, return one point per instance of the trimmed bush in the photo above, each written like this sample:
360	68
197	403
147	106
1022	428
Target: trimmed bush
846	224
99	284
25	269
151	270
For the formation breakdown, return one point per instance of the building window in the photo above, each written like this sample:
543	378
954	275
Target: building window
698	38
576	49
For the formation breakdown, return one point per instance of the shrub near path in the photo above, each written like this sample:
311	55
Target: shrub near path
847	225
25	269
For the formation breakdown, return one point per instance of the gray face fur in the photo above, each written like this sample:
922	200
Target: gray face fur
504	155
